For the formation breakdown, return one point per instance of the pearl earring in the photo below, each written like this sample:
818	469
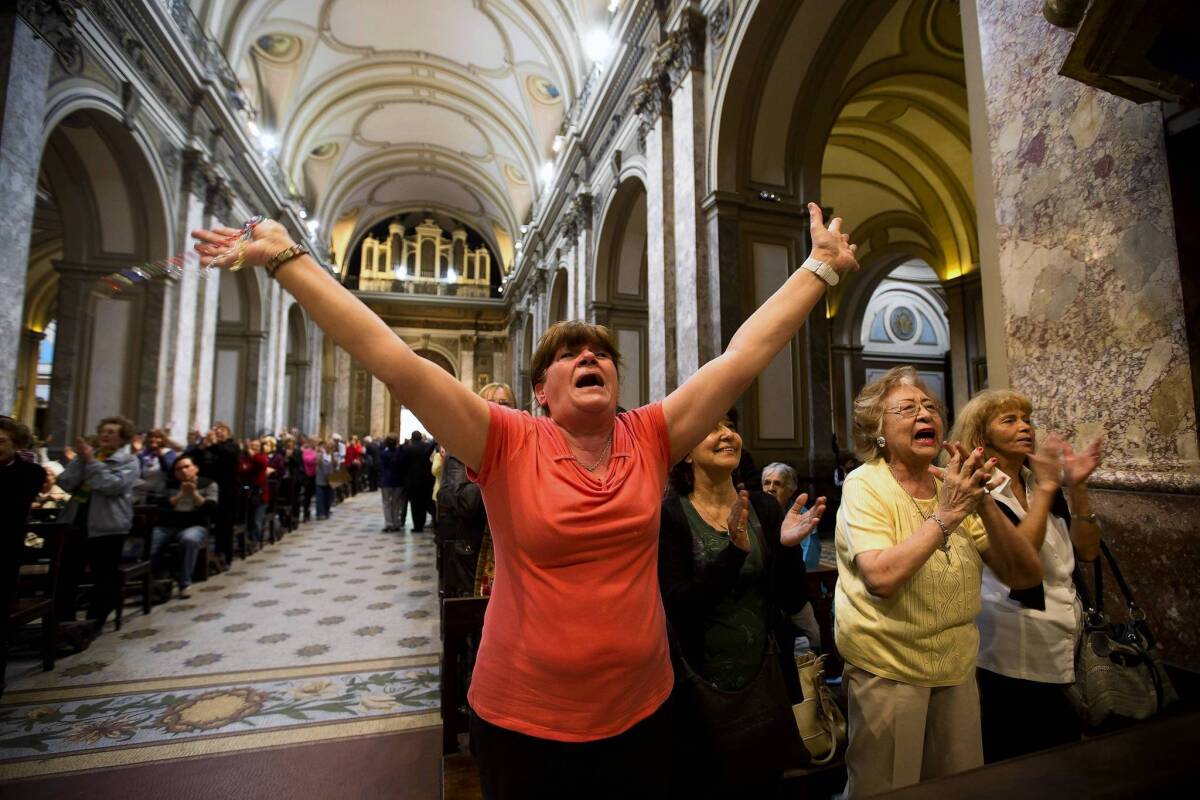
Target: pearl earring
879	440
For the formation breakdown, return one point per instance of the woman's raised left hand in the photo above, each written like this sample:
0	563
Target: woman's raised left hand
830	245
797	525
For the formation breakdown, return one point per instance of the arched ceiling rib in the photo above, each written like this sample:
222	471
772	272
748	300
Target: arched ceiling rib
897	163
452	103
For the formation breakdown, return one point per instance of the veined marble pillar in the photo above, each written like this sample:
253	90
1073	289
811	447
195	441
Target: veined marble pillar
697	292
184	305
24	76
205	352
660	259
1091	310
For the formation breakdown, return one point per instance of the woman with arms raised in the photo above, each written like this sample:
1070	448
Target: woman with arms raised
573	668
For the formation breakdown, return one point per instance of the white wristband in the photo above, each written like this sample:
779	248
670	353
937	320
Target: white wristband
821	270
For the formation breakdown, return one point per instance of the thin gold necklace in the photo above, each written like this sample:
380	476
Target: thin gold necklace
600	460
945	546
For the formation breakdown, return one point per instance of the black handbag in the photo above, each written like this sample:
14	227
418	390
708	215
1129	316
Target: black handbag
1117	672
746	731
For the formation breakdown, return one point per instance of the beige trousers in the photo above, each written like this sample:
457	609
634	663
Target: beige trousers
902	734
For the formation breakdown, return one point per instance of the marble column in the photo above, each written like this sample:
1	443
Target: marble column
71	340
697	316
379	421
205	352
340	422
466	361
660	259
1091	307
24	77
310	412
188	326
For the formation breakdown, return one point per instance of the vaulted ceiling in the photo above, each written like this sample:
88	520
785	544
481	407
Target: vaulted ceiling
380	107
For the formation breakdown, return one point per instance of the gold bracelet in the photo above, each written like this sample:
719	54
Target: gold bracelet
283	256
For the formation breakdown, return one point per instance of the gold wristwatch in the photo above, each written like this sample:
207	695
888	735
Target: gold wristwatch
285	255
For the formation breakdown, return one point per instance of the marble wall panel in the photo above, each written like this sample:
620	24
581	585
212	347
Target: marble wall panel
1088	266
1153	537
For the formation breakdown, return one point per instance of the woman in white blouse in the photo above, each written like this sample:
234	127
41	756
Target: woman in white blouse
1027	638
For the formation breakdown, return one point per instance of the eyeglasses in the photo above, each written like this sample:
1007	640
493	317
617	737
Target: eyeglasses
910	410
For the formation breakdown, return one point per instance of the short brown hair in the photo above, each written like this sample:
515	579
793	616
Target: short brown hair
970	427
570	333
18	432
124	423
868	408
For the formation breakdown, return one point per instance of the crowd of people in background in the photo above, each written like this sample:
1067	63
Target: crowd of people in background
202	493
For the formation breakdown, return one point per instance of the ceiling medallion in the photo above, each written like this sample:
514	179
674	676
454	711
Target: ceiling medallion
326	150
278	46
542	90
515	175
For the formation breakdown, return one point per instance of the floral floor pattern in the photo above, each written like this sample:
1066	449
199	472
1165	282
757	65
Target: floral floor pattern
338	623
141	718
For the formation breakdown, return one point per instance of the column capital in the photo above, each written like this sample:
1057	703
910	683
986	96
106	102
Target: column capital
196	174
218	199
684	47
54	23
30	335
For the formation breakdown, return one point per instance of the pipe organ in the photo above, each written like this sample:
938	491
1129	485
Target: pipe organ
424	262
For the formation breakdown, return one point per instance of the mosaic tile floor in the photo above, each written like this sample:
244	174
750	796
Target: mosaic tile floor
336	624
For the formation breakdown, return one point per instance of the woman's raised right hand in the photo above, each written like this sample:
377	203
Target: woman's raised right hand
963	482
218	247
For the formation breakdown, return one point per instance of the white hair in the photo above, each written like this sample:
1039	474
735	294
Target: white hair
789	474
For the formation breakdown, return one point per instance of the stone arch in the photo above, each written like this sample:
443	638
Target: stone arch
102	207
620	277
241	345
297	369
558	309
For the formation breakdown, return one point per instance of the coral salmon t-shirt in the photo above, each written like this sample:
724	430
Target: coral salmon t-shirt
574	642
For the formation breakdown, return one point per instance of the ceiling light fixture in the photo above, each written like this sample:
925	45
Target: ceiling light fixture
558	144
596	45
313	226
613	5
268	141
546	173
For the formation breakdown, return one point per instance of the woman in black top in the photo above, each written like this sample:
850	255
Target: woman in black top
730	570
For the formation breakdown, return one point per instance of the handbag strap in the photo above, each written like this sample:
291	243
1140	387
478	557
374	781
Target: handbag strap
1134	611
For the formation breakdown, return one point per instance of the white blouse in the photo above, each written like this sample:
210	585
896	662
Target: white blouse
1028	643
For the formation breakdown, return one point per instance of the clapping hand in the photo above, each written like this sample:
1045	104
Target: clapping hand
1077	467
739	520
1047	462
83	449
830	244
965	480
799	524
